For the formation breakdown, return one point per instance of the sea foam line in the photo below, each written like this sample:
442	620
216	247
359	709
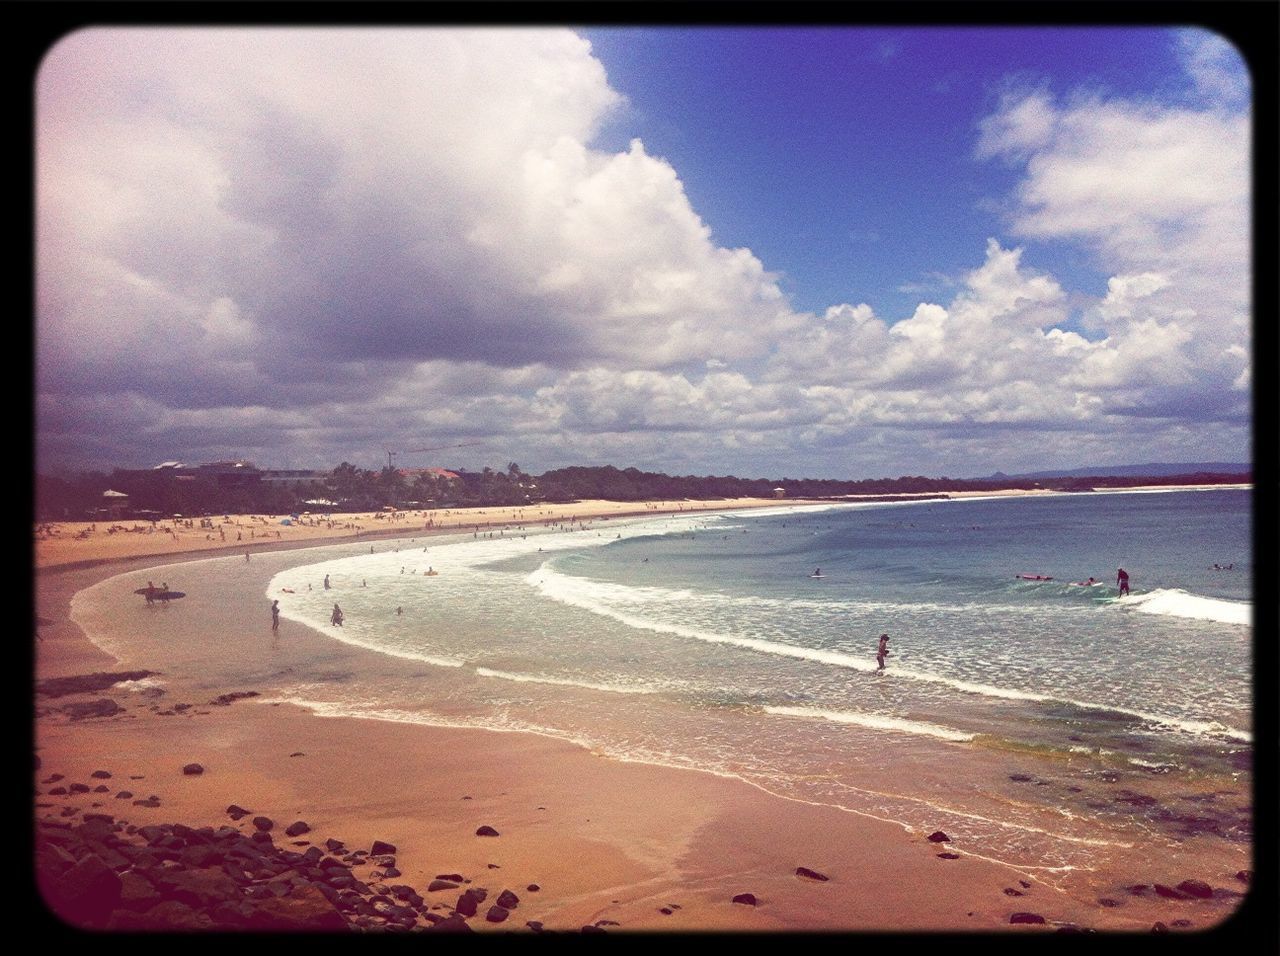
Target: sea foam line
562	682
872	721
1175	602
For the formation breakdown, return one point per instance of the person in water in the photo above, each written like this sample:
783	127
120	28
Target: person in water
1122	580
275	615
882	651
336	617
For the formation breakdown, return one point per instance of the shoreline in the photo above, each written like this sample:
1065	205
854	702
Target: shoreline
647	847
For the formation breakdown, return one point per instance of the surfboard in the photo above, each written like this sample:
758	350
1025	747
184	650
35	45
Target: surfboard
1033	577
817	575
170	595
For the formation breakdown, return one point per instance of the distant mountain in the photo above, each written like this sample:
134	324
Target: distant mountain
1153	470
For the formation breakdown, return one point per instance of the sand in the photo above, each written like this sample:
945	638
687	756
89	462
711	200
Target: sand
649	848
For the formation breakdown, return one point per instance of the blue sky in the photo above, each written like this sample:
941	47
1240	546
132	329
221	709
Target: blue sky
843	157
826	252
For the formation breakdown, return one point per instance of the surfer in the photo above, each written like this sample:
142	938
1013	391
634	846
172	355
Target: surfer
1122	581
151	593
882	651
336	616
275	615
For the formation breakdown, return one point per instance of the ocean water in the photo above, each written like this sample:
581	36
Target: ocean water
1048	724
1041	719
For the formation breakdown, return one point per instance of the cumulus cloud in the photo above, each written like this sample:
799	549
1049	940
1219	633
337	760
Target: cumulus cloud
276	242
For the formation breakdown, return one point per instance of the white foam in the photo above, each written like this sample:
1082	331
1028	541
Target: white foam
872	721
563	682
1175	602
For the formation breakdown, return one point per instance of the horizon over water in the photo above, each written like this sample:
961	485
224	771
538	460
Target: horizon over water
1047	724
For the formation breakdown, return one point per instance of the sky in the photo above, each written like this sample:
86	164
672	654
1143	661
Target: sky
836	252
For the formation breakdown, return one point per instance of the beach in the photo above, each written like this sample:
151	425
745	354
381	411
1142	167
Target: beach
612	844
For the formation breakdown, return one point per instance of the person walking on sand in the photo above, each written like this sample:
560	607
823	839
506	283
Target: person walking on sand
1122	580
882	651
336	617
275	615
151	593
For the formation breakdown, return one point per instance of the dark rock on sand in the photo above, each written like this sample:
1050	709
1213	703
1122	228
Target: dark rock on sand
1159	928
1019	777
381	848
332	845
102	788
235	812
58	792
665	910
124	795
1010	891
436	885
1108	902
94	708
192	769
948	856
486	831
1244	876
1168	892
1196	888
811	874
533	887
468	902
101	775
508	900
297	828
1026	918
497	914
263	823
937	836
222	700
452	877
451	924
86	683
748	899
79	788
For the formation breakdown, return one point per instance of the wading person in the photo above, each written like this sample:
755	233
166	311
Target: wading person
1122	581
882	651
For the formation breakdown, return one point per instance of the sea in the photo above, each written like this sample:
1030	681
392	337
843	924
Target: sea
1045	723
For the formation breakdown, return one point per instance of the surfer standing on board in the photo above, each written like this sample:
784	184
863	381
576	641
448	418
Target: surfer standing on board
1122	580
882	651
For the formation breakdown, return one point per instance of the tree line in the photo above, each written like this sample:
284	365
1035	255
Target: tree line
350	488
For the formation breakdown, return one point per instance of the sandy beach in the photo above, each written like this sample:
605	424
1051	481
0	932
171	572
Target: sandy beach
581	840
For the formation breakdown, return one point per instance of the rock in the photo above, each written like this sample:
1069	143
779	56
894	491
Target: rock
497	914
169	915
748	899
468	903
1244	876
101	775
592	929
486	831
949	856
85	894
263	823
297	828
508	900
1159	928
86	683
1108	902
297	753
451	924
334	846
222	700
192	769
381	849
436	885
1010	891
58	792
261	836
534	924
137	892
79	788
305	908
1137	889
1196	888
1026	918
452	877
666	911
235	812
937	836
1019	777
102	788
811	874
1168	892
533	887
124	795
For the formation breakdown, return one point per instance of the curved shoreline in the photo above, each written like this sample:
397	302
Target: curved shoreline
611	830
